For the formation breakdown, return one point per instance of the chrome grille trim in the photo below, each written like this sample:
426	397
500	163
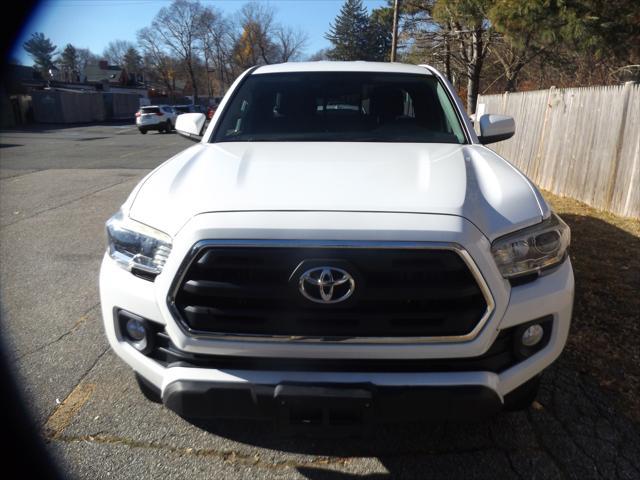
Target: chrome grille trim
257	243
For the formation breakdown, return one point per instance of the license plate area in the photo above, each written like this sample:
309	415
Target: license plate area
306	407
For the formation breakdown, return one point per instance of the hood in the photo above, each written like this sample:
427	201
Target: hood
465	180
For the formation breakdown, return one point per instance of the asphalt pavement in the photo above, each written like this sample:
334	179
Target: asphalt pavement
57	188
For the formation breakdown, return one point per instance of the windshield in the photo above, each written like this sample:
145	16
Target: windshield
340	106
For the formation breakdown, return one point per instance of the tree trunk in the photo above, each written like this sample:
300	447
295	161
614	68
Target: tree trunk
194	85
473	87
208	77
223	82
512	76
447	59
473	71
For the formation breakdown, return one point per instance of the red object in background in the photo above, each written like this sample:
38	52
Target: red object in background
210	112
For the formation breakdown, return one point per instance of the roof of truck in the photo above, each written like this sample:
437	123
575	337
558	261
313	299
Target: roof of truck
358	66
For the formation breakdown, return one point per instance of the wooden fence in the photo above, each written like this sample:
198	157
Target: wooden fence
579	142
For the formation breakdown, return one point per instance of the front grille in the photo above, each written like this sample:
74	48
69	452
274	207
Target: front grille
399	292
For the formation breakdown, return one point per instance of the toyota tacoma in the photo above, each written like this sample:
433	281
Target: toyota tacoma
339	248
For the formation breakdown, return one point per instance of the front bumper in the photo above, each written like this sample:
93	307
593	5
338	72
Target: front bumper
250	393
151	126
192	390
329	404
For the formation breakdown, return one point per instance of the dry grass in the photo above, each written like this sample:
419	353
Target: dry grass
605	335
68	409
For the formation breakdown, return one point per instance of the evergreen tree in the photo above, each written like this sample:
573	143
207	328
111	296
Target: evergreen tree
40	49
380	33
69	63
132	63
350	33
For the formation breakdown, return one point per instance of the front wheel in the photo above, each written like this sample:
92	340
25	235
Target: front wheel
149	390
143	131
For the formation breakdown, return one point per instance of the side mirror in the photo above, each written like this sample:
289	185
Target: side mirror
495	128
191	125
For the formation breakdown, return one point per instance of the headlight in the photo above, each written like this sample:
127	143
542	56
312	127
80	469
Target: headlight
532	249
136	246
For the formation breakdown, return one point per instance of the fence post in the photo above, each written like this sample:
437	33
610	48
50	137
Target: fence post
632	181
538	157
613	176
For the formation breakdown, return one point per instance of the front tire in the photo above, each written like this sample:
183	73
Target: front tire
149	391
143	131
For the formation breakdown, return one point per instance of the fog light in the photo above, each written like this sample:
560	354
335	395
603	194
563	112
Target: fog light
135	330
532	335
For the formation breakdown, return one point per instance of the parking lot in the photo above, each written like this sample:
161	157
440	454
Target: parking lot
57	188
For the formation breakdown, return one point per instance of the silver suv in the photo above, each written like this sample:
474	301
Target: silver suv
156	117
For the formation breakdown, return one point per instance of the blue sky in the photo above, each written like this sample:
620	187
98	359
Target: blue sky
94	23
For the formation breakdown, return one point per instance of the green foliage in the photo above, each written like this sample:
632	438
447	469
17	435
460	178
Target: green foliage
69	58
380	33
604	28
355	35
68	63
518	21
132	60
590	27
41	50
421	8
462	13
349	33
570	32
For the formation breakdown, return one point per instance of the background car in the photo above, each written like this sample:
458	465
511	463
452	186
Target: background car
188	109
156	117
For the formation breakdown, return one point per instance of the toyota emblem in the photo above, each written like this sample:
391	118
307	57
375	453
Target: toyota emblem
326	285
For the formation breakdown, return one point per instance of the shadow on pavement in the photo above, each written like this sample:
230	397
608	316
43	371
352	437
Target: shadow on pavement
46	127
572	431
603	340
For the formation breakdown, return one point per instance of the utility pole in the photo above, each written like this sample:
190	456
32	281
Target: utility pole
394	38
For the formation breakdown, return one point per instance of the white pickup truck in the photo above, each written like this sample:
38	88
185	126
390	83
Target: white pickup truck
339	248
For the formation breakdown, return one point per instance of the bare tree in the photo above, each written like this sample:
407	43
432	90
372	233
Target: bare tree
157	62
289	43
430	41
458	34
454	33
217	39
212	49
512	58
115	51
178	27
85	58
262	40
256	44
